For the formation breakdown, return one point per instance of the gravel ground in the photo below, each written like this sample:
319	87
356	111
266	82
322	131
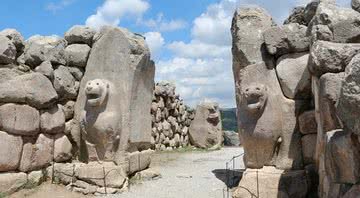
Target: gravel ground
186	175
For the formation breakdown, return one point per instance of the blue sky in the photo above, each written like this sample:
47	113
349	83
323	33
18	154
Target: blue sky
189	39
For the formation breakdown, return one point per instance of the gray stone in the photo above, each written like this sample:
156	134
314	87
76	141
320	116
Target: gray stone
19	119
65	84
68	109
131	77
206	129
36	154
8	74
294	76
348	108
353	192
77	72
12	182
44	48
310	10
342	157
307	123
309	148
63	173
34	89
296	16
52	120
16	38
77	54
231	138
289	38
355	4
139	161
62	149
147	175
35	178
80	34
344	22
272	183
10	152
7	50
328	57
46	69
247	29
321	32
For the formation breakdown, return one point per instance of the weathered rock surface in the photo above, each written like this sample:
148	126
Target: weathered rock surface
7	50
65	84
349	99
272	183
294	76
296	16
77	72
353	192
289	38
53	120
62	149
328	57
123	59
80	34
247	30
8	74
77	54
19	119
44	48
68	109
355	4
139	161
10	153
37	153
307	123
342	157
34	89
308	148
46	69
231	138
16	38
12	182
35	178
206	129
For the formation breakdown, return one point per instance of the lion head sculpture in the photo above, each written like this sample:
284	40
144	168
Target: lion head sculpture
96	92
254	98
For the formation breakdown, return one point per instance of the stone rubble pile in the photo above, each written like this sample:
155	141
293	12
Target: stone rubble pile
171	118
297	88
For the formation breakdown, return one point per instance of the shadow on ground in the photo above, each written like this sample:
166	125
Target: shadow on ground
231	178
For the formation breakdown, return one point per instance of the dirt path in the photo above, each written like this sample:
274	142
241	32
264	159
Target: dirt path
186	175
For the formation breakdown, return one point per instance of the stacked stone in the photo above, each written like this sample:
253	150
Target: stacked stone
171	118
38	87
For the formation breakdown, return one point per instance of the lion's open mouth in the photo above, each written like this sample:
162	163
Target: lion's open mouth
93	98
254	101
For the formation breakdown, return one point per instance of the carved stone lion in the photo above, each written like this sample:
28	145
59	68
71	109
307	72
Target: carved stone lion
99	122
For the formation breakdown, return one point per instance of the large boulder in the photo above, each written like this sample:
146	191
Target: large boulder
8	74
343	22
206	129
119	65
65	84
37	153
342	157
294	76
34	89
80	34
10	153
19	119
348	106
272	183
62	149
7	50
12	182
46	69
287	39
328	57
16	38
53	120
44	48
231	138
77	54
247	30
307	123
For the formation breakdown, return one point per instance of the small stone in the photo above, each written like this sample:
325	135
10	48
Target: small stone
77	54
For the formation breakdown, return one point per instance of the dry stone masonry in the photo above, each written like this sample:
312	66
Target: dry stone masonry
171	118
297	92
72	109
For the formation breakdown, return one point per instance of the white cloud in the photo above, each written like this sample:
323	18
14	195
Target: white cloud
163	25
155	42
112	11
55	7
198	49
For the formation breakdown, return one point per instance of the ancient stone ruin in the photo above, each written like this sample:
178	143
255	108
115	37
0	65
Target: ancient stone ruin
297	93
72	109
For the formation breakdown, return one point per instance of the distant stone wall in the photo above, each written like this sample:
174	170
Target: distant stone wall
171	118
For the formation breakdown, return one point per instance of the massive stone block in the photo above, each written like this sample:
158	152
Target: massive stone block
123	60
206	129
77	54
34	89
10	153
52	120
80	34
